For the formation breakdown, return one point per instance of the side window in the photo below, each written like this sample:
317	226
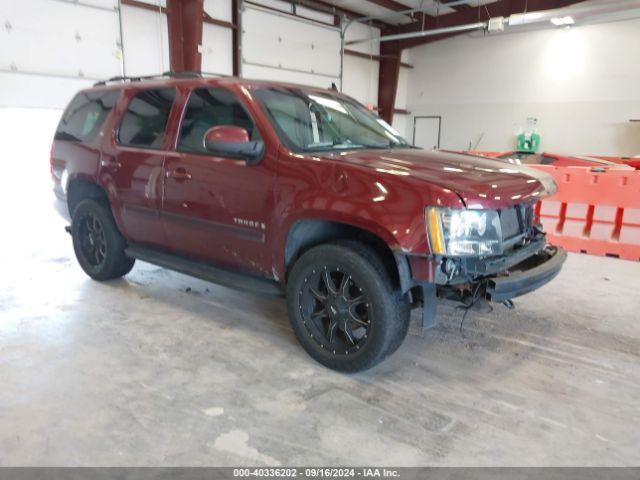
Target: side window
291	116
211	107
85	115
144	122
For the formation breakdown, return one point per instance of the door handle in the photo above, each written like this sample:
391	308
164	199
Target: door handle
111	163
179	174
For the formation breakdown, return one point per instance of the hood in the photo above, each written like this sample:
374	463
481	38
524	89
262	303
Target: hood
480	182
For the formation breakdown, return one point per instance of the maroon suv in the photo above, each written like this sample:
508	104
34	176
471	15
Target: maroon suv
277	188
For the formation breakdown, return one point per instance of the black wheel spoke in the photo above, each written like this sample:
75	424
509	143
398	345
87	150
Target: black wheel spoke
328	281
357	301
348	333
344	286
333	326
356	319
317	295
335	310
92	240
318	315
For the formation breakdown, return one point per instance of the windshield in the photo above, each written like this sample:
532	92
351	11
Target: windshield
315	121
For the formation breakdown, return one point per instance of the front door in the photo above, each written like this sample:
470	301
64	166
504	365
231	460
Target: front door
217	208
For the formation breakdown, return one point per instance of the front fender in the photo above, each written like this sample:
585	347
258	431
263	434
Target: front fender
389	206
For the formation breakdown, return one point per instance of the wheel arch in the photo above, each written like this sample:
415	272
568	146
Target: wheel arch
81	189
307	233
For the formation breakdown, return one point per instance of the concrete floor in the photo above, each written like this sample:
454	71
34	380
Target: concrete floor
162	369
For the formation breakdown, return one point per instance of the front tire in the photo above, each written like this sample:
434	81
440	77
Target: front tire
344	308
97	243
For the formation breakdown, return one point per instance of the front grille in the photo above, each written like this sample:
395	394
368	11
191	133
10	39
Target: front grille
510	223
516	221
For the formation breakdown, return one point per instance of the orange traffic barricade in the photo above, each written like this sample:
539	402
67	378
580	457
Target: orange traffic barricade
595	212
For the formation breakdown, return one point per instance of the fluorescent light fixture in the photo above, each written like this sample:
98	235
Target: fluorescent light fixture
562	21
533	16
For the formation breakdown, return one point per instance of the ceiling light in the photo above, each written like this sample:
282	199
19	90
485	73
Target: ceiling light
562	21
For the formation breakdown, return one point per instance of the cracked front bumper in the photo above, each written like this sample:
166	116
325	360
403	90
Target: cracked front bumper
526	276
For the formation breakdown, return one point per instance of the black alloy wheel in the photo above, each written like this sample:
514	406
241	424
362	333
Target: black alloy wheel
93	243
97	242
335	310
344	306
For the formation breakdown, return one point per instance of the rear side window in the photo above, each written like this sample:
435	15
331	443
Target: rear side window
211	107
85	115
145	121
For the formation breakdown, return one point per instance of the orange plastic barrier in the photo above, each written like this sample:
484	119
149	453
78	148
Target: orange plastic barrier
593	212
632	162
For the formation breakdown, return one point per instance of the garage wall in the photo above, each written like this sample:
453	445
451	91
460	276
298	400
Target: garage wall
49	49
308	52
289	49
360	78
146	40
46	56
217	42
581	84
401	122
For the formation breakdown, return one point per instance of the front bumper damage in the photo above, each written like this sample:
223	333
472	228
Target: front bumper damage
526	276
497	279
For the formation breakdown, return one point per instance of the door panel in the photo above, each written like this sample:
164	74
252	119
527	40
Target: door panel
137	177
218	209
136	164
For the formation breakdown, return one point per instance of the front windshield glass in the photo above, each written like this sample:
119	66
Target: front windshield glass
309	121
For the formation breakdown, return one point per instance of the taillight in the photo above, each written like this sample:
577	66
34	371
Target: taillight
51	161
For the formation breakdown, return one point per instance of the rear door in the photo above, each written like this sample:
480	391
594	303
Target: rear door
134	167
217	208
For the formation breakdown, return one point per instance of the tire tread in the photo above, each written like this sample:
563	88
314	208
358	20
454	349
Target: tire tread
396	323
117	264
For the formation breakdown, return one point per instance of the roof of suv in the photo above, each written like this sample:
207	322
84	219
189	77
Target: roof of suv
164	81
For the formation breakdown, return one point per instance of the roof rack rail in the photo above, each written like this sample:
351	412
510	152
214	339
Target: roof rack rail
185	74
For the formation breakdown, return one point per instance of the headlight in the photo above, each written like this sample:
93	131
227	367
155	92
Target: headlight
463	233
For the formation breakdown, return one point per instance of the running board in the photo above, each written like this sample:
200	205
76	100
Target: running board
204	271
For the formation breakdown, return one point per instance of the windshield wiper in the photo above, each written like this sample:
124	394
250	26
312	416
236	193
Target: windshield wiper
385	146
337	144
342	144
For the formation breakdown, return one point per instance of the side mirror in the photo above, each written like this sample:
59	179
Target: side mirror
233	141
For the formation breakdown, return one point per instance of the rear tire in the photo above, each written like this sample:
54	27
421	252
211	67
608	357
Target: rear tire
344	308
97	242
